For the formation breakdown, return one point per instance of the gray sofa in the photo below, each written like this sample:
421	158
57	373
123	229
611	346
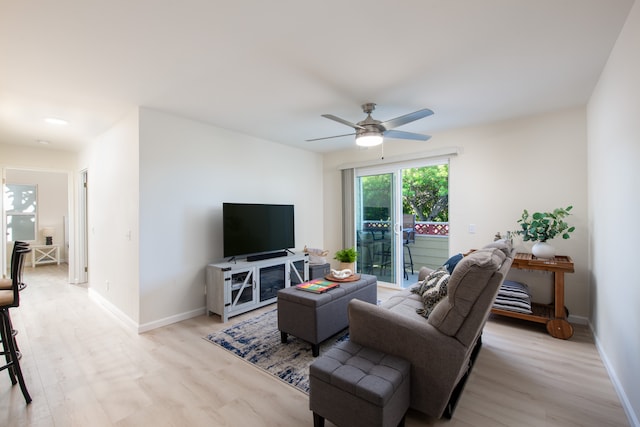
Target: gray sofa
440	349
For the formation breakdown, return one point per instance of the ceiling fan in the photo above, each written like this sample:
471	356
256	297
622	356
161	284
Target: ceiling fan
370	132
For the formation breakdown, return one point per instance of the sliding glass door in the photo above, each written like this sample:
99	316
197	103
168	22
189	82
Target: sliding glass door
375	219
396	206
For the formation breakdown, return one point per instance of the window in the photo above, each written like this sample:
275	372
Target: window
20	201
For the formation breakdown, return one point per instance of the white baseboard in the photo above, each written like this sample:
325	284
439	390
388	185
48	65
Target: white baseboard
141	328
171	319
113	310
634	421
578	320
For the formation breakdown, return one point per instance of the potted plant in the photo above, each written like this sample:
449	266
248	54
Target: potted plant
347	258
540	227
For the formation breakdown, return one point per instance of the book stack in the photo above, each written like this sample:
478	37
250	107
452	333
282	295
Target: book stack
317	286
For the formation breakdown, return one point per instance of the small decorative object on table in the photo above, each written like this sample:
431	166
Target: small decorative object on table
342	274
316	256
542	226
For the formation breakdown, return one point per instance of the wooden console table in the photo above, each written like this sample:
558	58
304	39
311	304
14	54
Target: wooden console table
45	254
553	315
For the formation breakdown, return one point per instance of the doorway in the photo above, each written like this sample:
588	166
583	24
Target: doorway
46	213
393	203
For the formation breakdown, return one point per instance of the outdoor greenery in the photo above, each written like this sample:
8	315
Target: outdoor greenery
346	255
425	193
543	226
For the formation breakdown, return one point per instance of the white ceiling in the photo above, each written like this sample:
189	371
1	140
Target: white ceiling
271	68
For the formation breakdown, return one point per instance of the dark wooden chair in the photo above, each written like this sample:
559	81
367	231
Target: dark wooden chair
10	298
7	283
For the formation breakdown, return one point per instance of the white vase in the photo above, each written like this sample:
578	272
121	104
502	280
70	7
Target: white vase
543	250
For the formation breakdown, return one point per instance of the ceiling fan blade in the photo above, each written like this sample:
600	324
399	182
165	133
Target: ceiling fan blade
329	137
406	135
407	118
343	121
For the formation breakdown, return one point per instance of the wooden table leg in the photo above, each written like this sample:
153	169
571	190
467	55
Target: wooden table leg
559	327
559	295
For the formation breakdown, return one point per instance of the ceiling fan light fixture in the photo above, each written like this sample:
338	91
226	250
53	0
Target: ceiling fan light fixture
368	139
56	121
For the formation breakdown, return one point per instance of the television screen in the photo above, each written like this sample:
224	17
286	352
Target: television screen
255	228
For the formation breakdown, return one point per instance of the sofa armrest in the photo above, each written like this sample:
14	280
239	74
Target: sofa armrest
424	272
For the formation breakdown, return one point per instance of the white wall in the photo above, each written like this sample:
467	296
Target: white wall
111	162
614	179
537	163
19	157
187	170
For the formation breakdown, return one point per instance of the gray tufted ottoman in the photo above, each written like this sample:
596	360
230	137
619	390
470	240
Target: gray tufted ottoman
316	317
352	385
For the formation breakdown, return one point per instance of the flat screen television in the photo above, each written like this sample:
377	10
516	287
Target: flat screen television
250	228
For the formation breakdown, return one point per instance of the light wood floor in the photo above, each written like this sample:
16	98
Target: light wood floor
83	368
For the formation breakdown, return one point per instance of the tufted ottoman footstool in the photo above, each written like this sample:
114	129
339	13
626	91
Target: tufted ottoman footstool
352	385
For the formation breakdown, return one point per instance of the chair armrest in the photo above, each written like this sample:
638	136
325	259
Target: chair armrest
410	338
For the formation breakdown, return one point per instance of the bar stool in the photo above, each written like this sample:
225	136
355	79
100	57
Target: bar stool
408	236
10	298
6	284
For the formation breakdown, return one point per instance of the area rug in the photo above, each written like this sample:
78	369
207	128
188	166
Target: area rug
257	341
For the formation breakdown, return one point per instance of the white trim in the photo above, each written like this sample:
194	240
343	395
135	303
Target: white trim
578	320
634	421
113	310
418	157
136	327
141	328
171	319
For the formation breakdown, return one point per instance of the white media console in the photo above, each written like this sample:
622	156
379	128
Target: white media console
236	287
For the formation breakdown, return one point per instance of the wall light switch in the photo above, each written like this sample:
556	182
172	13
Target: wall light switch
472	228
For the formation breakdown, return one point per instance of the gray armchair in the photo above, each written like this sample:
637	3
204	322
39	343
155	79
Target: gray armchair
440	349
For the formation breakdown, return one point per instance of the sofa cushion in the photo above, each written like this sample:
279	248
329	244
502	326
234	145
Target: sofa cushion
404	303
467	282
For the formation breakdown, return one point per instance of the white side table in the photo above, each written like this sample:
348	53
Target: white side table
45	254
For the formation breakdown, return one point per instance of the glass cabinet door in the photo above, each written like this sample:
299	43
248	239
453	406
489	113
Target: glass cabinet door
296	274
242	288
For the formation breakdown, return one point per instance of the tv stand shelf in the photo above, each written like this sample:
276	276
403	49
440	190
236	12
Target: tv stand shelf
235	287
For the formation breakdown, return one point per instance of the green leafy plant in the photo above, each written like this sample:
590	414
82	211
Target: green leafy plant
346	255
543	226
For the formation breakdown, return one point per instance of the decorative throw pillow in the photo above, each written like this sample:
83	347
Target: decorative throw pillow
452	262
429	281
419	288
434	290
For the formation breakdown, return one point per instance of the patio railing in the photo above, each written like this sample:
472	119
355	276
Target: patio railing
422	227
432	228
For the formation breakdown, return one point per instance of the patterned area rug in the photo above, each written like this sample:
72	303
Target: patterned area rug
257	341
